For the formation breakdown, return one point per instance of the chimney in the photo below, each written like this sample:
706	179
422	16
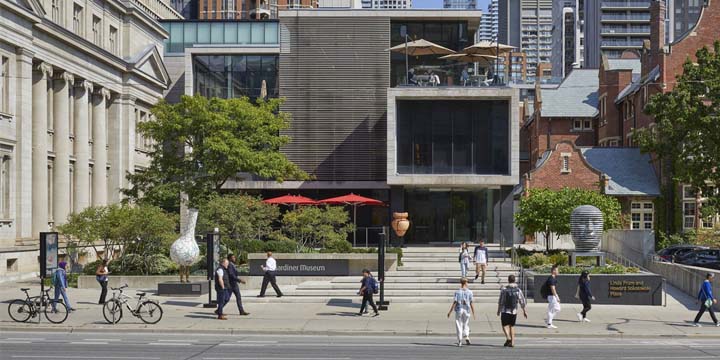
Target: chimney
604	181
526	185
657	32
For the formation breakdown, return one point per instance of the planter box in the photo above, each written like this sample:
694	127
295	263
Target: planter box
321	264
621	289
133	281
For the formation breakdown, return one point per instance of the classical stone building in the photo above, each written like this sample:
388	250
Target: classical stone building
75	79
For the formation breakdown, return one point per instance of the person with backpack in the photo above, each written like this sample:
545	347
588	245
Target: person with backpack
369	286
585	295
707	300
549	292
481	259
463	306
510	297
59	281
464	259
101	275
222	287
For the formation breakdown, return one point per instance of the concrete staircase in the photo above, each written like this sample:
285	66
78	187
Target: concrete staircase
427	275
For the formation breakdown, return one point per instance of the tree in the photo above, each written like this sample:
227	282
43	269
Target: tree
143	231
312	226
686	135
548	212
200	144
238	217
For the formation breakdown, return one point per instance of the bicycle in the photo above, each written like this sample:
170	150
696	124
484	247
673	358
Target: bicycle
22	310
148	311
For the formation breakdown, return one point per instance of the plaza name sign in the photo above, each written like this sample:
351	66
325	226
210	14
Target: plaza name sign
305	267
626	289
617	288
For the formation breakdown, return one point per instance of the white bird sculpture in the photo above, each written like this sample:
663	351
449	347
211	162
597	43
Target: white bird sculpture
185	251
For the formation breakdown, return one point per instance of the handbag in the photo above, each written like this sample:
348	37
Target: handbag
708	303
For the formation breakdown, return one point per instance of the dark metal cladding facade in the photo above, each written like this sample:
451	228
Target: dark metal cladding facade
334	75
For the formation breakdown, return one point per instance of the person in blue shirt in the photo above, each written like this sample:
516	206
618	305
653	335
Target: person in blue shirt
61	284
707	300
585	295
367	289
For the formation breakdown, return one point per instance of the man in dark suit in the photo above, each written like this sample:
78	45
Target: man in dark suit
235	282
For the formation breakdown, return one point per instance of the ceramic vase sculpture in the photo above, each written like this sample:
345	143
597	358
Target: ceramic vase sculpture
586	228
185	251
400	223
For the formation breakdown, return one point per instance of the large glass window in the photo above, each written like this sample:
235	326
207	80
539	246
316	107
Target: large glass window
453	137
186	34
233	76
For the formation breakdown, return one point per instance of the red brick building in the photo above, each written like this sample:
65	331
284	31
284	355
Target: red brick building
247	9
614	76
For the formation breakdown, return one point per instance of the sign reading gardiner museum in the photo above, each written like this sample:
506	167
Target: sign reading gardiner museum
305	267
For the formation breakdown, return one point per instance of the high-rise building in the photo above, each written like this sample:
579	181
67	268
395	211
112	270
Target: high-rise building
237	9
681	17
386	4
567	36
488	23
613	26
459	4
527	24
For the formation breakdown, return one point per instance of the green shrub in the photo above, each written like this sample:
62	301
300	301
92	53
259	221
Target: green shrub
252	246
91	268
281	246
133	264
534	260
337	246
559	259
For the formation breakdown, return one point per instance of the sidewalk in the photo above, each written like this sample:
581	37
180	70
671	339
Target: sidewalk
338	317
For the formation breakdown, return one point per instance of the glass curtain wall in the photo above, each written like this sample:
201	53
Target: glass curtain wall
453	137
451	216
186	34
450	34
234	76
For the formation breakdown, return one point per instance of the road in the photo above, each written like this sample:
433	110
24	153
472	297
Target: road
116	346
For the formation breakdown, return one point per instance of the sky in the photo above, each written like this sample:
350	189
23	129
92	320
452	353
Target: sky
438	4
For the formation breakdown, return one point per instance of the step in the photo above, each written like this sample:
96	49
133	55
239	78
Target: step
448	267
445	274
400	286
354	300
421	280
391	292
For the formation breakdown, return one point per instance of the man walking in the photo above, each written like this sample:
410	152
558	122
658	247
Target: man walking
222	283
463	306
510	297
270	267
235	282
367	289
480	255
550	292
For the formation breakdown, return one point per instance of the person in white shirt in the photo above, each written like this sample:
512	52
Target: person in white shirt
463	306
481	260
464	259
270	267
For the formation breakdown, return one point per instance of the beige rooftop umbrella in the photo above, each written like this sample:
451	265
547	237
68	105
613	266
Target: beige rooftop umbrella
488	48
421	47
483	60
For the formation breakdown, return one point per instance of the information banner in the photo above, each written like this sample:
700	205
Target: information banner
48	253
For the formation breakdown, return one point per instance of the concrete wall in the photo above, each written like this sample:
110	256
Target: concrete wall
634	245
151	282
686	278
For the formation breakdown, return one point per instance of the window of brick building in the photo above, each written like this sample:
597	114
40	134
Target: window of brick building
642	215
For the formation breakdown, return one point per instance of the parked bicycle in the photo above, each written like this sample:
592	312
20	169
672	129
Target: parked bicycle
22	310
148	311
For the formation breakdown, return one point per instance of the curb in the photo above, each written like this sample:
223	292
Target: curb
71	330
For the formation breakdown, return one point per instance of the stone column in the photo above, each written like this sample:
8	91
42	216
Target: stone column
83	93
121	148
23	164
99	180
61	170
43	72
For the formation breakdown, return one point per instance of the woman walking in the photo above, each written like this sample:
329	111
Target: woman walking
464	259
60	283
707	300
101	275
585	295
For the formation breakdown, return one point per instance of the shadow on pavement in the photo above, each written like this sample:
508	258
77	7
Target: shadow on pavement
197	315
339	313
181	303
530	326
342	303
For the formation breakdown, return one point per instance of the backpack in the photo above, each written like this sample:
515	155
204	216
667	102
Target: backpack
374	285
512	298
56	280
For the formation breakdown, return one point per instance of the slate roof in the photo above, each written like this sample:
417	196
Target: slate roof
636	83
625	64
577	96
630	172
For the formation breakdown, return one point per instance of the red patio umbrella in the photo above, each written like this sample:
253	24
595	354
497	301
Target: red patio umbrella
354	201
293	200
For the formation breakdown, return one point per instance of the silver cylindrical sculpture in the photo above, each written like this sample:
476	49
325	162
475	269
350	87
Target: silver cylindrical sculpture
586	228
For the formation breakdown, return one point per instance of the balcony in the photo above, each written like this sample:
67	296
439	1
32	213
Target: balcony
625	31
625	4
622	43
625	17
